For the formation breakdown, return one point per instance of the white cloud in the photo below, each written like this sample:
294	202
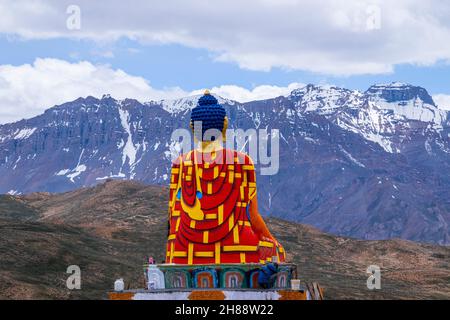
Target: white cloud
442	101
343	37
258	93
28	90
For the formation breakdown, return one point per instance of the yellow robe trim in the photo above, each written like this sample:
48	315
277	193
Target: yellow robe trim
210	188
190	253
211	216
266	244
244	223
239	248
180	254
217	253
176	213
216	172
172	237
204	254
236	235
220	213
171	252
231	222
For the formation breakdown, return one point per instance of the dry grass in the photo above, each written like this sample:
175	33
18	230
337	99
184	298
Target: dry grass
109	231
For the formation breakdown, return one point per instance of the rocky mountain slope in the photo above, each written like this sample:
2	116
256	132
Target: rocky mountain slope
110	229
371	165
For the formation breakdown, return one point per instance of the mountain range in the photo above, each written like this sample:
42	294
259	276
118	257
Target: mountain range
371	165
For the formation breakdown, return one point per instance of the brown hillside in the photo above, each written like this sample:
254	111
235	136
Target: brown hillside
109	230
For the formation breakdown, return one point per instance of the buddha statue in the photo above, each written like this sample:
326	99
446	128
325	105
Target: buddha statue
213	205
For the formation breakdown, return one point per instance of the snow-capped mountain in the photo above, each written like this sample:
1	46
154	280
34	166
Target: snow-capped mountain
372	164
383	114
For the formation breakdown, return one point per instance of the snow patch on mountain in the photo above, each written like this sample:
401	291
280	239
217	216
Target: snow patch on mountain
320	99
428	147
414	110
413	103
383	142
184	104
76	172
71	174
180	105
129	149
351	158
62	172
173	150
24	133
112	176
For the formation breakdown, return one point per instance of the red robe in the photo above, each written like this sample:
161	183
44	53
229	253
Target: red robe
211	224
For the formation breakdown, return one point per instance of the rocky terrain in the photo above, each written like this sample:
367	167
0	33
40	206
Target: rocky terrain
109	231
371	165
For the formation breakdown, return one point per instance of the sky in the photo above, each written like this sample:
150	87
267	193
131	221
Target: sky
56	51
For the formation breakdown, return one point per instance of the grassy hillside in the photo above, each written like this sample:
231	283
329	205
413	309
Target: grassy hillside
111	229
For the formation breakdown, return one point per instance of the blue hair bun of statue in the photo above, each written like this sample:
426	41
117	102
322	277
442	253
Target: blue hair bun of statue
207	100
210	113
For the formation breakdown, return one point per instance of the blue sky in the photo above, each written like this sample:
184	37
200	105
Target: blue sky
53	51
174	65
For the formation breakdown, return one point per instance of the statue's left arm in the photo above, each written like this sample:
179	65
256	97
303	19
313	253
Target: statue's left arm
258	224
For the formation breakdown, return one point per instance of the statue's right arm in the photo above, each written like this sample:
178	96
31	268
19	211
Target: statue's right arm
258	224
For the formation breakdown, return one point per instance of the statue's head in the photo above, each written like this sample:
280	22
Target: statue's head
212	117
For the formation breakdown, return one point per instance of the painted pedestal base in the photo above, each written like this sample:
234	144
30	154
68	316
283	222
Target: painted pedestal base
217	282
211	294
222	276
